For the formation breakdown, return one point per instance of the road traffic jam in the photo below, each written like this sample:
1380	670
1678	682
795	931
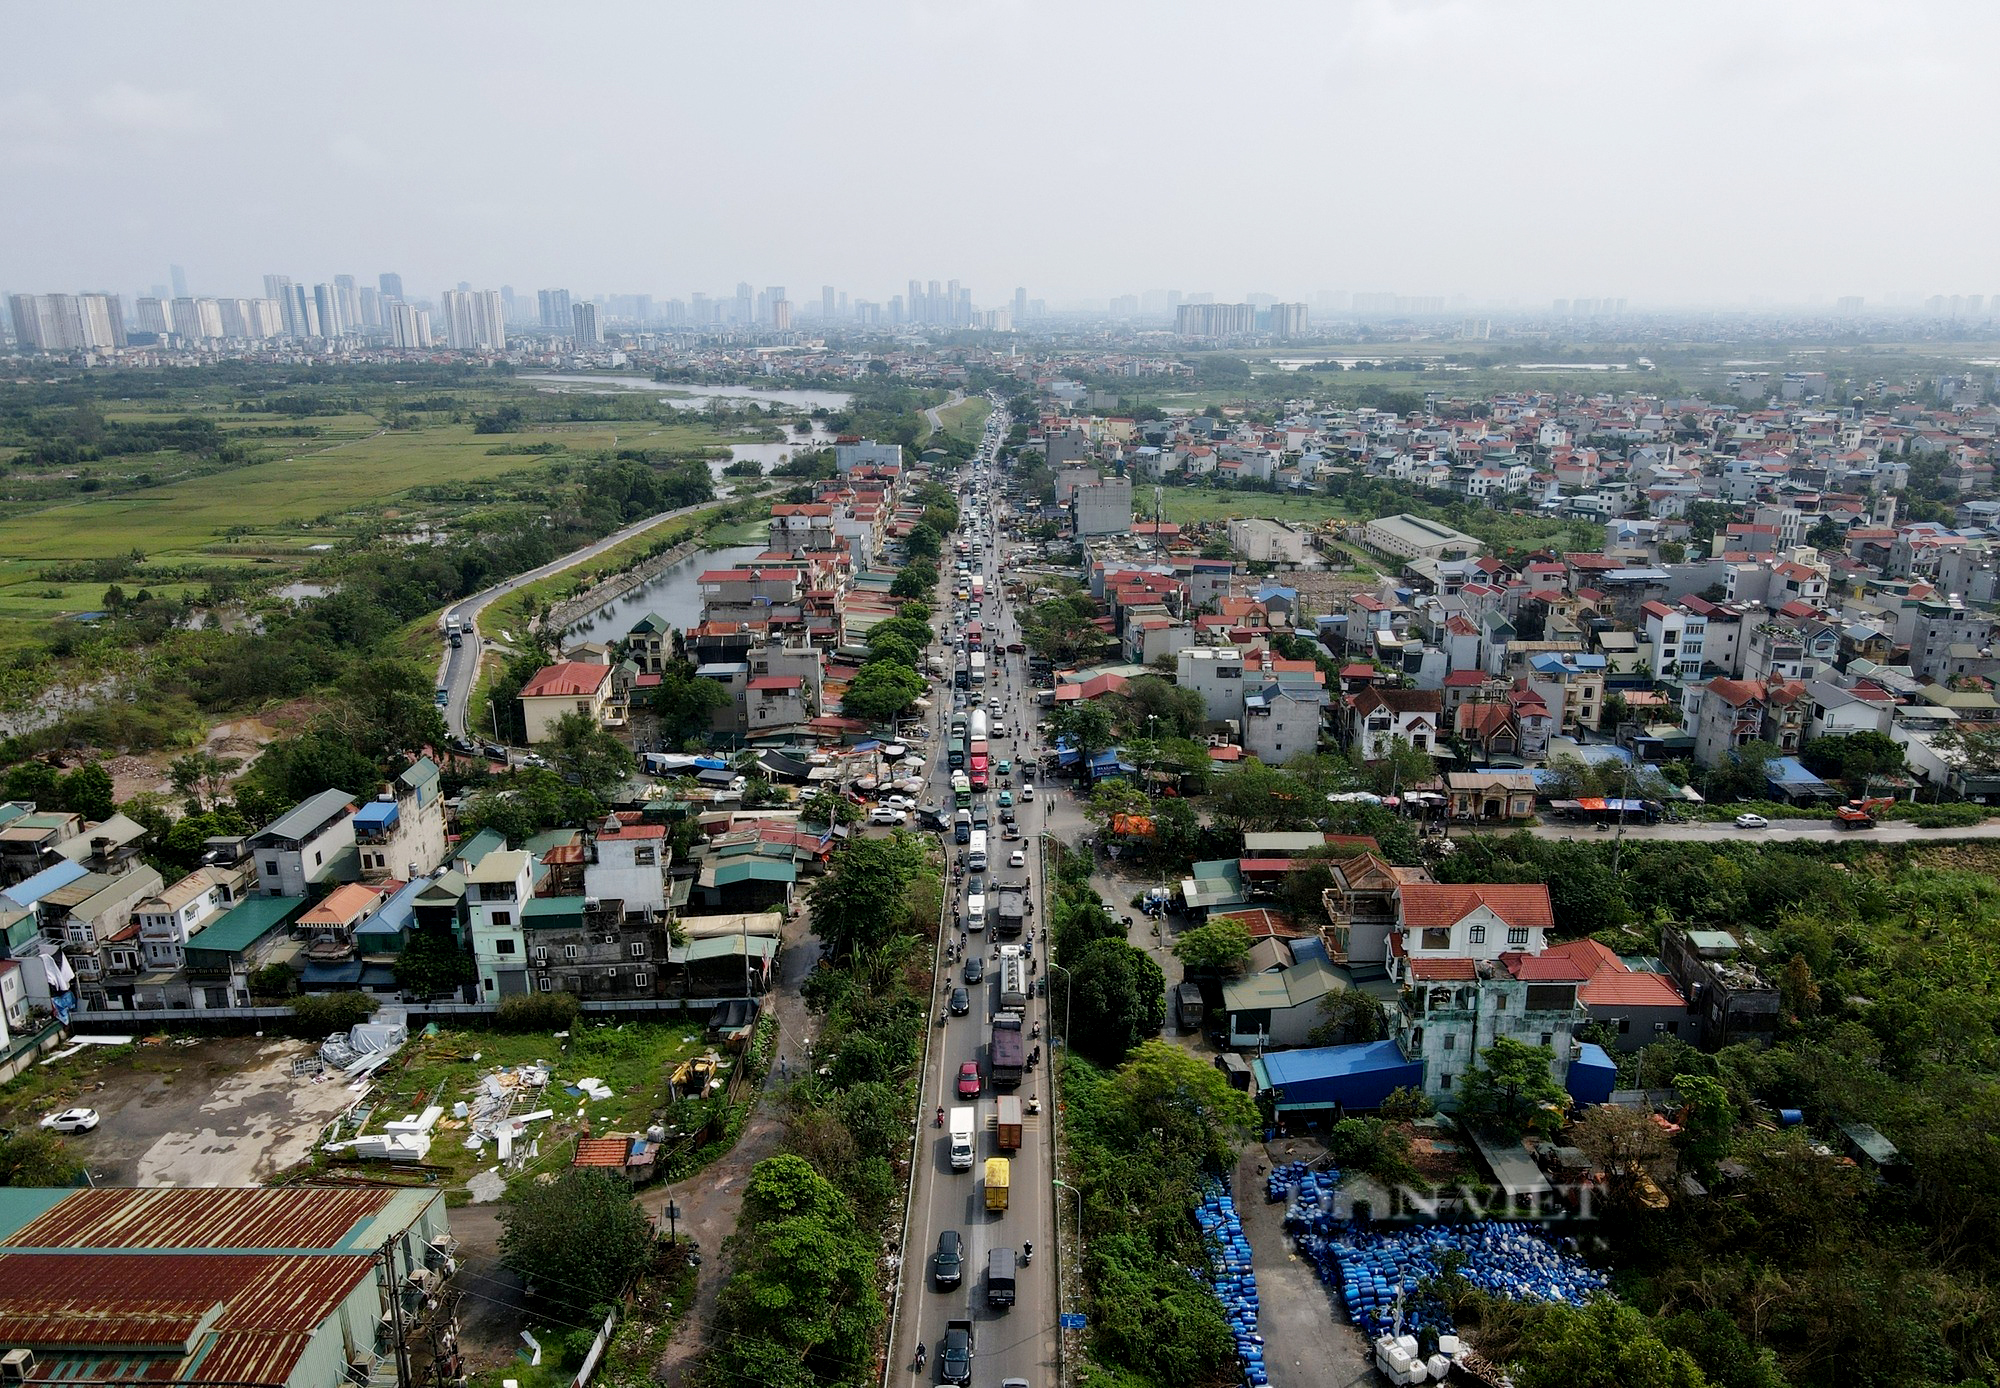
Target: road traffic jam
991	973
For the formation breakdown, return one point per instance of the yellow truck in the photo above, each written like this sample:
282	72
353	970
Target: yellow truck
998	1170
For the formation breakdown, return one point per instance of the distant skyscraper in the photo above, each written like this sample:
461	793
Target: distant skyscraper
936	307
1020	306
371	307
474	321
583	322
781	315
391	285
101	318
180	279
332	315
555	309
744	310
409	328
826	302
843	304
153	316
1288	320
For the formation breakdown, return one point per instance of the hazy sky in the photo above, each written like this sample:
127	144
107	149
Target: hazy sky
1661	152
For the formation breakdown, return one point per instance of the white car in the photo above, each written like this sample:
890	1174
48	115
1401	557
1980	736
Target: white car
1752	821
71	1120
898	802
884	815
1027	790
1018	858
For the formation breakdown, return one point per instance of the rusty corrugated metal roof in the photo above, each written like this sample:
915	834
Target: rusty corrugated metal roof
203	1219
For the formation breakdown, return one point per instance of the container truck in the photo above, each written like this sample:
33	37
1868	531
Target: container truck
977	664
1007	1051
998	1172
1007	1130
963	1119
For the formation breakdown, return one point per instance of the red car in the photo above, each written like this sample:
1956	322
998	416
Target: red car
968	1080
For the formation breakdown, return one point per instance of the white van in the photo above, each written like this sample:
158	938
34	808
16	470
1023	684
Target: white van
975	856
975	911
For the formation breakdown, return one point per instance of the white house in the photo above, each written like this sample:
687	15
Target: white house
628	863
297	850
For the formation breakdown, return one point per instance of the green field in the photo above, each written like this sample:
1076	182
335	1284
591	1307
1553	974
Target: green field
1194	505
966	420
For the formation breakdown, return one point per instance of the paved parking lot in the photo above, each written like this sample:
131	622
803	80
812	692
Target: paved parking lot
221	1112
1307	1340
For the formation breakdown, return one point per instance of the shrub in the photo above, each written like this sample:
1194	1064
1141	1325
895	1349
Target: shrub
317	1017
536	1012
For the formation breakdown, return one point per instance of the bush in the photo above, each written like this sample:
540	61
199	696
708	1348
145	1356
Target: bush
536	1012
316	1018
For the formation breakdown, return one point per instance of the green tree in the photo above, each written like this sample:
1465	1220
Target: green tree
1153	707
686	704
861	902
33	781
1710	1121
201	778
893	649
87	791
294	768
923	542
1401	767
577	1241
1085	724
387	709
1605	1344
432	965
588	755
1349	1017
881	691
829	807
915	580
1193	1104
1221	946
1511	1092
1114	997
32	1157
1628	1147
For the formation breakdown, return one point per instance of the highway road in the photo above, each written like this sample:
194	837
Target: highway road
1780	831
458	670
1020	1343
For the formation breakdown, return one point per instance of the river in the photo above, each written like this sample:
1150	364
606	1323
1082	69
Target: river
673	595
687	395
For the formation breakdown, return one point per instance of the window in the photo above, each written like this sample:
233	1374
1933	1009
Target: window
503	918
1625	1026
1659	1027
318	858
638	950
644	855
1499	1002
541	954
503	946
544	982
1517	934
1478	933
569	951
1437	937
1444	1081
270	867
1451	1040
639	981
1548	1038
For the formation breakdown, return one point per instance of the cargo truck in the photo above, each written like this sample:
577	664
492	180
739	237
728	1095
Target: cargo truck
1007	1051
999	1171
1007	1128
1000	1278
1013	979
963	1120
1010	910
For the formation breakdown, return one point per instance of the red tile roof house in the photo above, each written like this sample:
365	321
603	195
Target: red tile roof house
566	687
1640	1007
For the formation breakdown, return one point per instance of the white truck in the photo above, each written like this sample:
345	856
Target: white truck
964	1119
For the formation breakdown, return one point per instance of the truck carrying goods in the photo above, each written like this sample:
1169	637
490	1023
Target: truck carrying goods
999	1172
1007	1051
1007	1126
1013	978
964	1118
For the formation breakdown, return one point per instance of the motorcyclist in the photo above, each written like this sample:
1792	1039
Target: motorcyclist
940	1115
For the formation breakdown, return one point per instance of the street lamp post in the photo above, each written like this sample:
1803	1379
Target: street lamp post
1069	992
673	1214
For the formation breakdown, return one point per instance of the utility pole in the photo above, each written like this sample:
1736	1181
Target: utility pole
396	1312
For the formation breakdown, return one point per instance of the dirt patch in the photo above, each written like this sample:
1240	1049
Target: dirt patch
238	739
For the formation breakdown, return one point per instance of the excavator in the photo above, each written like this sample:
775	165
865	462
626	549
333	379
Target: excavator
1860	814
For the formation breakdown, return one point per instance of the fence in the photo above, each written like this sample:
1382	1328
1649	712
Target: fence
239	1019
597	1348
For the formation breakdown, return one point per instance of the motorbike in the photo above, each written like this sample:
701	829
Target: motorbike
940	1118
1027	1252
1037	1030
1034	1103
941	1019
920	1358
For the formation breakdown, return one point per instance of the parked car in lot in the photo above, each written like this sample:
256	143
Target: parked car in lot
1752	821
899	802
969	1083
884	815
71	1120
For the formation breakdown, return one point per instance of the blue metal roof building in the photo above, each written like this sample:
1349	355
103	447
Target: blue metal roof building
1352	1077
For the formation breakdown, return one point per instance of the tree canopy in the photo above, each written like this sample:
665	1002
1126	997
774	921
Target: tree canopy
1114	997
1511	1092
577	1240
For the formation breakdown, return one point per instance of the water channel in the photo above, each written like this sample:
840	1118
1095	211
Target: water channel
673	595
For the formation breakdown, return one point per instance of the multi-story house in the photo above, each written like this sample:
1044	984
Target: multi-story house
775	703
1790	648
28	841
564	688
1377	717
628	862
1725	714
167	921
1947	638
650	644
1729	999
594	947
1281	721
1215	673
1675	637
1470	965
401	833
497	889
91	919
307	845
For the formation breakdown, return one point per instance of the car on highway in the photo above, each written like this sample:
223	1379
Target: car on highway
71	1120
495	751
885	815
948	1266
975	968
1010	830
969	1083
1027	790
1018	858
1752	821
961	1002
1004	767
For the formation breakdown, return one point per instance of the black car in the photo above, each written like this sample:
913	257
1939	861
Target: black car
975	968
961	1002
948	1268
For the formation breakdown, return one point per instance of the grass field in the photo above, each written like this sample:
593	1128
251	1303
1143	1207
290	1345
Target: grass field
967	419
635	1060
1192	505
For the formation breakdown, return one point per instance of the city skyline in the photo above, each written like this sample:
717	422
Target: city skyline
1698	156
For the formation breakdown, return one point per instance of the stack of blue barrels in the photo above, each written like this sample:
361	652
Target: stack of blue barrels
1231	1275
1510	1261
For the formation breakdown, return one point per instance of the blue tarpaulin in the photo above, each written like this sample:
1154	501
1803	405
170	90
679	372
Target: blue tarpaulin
1592	1075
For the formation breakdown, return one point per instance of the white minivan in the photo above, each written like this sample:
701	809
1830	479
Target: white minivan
975	856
